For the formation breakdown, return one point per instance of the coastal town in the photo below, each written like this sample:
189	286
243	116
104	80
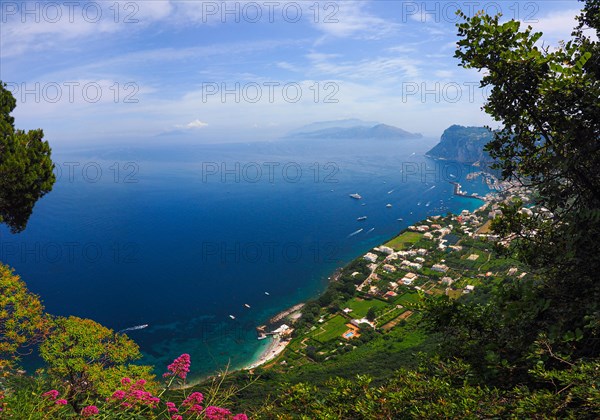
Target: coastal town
452	254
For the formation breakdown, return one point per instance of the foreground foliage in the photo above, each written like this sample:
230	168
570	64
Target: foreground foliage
25	167
441	390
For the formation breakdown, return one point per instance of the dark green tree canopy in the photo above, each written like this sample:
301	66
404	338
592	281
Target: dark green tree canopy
547	105
25	167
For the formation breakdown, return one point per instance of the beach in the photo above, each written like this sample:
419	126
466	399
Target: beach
275	348
277	344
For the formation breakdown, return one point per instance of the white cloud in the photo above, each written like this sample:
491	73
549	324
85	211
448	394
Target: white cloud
353	20
556	26
196	124
376	69
443	74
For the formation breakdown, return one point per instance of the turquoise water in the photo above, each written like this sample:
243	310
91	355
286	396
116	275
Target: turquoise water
181	237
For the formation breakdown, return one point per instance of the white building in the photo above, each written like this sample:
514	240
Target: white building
369	256
442	268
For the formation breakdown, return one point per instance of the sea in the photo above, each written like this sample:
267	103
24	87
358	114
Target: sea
171	243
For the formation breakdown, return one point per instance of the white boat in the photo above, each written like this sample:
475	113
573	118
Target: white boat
267	293
362	218
388	205
356	196
355	233
137	327
231	316
246	305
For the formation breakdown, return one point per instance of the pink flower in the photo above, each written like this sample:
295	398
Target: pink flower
53	394
217	413
171	407
240	416
176	417
194	398
61	402
196	408
118	395
125	381
180	367
89	411
141	382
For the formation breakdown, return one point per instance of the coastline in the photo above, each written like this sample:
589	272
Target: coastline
274	349
277	344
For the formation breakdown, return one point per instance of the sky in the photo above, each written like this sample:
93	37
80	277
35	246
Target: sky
211	71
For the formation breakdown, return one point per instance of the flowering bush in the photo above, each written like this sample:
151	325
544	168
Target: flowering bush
89	411
134	395
134	398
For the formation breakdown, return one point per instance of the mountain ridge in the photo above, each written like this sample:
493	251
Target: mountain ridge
463	144
365	130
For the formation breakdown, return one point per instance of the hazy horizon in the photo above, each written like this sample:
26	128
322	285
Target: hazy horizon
94	72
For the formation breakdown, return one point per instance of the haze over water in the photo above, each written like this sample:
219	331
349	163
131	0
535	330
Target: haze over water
162	236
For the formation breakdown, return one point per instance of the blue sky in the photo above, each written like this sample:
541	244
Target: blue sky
120	71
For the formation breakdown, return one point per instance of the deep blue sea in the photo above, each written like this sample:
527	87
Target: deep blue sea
181	237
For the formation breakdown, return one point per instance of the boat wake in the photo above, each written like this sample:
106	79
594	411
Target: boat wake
137	327
355	233
370	230
429	189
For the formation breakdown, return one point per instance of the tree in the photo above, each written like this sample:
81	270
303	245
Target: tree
22	320
371	314
25	167
89	358
547	103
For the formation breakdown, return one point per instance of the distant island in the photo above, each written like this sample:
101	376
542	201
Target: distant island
351	129
463	144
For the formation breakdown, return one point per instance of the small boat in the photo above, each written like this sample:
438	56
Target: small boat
246	305
400	219
355	233
231	316
390	191
362	218
356	196
267	293
388	205
137	327
363	204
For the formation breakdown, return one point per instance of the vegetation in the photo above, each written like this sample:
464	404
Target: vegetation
406	240
22	319
548	105
25	167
